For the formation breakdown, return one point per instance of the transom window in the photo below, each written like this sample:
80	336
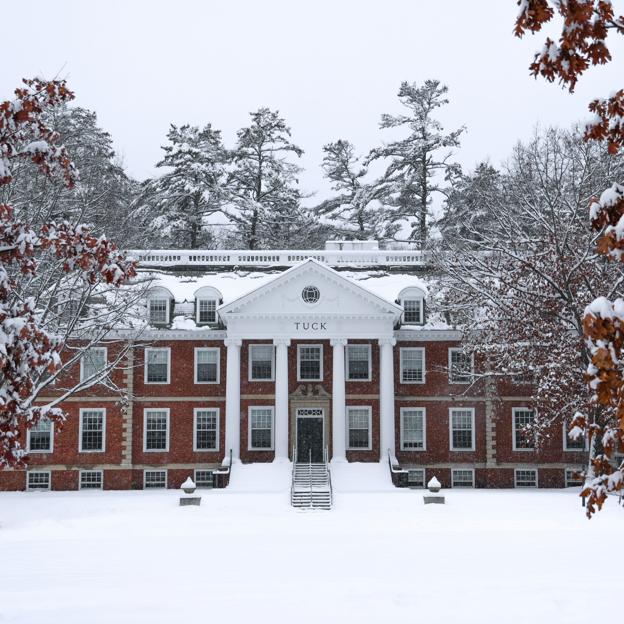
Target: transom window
412	365
310	367
158	311
261	357
460	366
462	429
525	477
91	480
92	425
413	311
523	438
154	479
206	429
156	430
207	365
260	428
462	477
413	429
38	480
92	362
359	427
157	365
358	362
40	436
206	311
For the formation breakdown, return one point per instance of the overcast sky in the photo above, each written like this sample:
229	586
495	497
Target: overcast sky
331	68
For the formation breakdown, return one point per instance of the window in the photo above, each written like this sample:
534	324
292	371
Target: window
573	444
207	365
462	433
524	477
206	311
460	366
413	311
91	479
261	358
156	430
359	428
38	480
40	438
412	365
462	477
573	477
413	429
157	365
92	427
206	430
523	440
310	364
93	361
358	362
260	428
204	478
154	479
416	478
158	311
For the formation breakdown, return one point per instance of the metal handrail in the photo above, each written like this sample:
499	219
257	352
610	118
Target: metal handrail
393	469
331	491
310	474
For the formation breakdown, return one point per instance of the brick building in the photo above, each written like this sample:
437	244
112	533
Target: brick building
263	355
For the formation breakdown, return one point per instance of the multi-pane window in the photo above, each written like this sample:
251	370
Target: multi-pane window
38	480
92	426
359	427
156	430
156	365
413	436
573	443
416	477
261	362
523	438
358	362
412	365
573	477
207	365
310	362
206	429
204	478
154	479
92	362
460	366
261	428
40	437
91	480
158	311
413	311
462	477
462	429
207	311
525	477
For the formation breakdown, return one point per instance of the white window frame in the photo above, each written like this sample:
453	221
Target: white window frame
196	362
92	409
472	418
450	364
196	470
29	472
146	410
423	411
250	409
421	300
424	477
146	470
51	441
566	439
307	346
145	364
369	410
250	358
513	429
370	363
528	487
89	470
167	301
454	470
568	482
424	364
196	410
82	372
197	308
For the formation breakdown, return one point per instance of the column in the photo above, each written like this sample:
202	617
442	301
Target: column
232	398
386	397
339	425
281	398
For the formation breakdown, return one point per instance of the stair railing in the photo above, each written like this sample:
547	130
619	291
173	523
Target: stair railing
292	479
331	491
310	474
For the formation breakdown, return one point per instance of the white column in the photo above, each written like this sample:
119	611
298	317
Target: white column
232	398
386	397
281	397
339	425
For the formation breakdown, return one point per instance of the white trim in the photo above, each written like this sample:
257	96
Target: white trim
513	429
249	359
36	451
105	349
369	445
92	409
195	351
308	345
218	425
421	315
263	407
216	315
196	470
146	470
424	365
29	472
423	411
525	470
146	410
370	362
453	470
145	352
451	350
566	439
82	471
450	419
159	294
424	477
568	482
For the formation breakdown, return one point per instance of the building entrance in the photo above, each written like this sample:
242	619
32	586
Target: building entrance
310	435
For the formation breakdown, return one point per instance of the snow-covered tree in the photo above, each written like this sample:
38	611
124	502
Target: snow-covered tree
420	162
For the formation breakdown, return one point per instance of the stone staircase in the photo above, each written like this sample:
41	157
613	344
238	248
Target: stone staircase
311	485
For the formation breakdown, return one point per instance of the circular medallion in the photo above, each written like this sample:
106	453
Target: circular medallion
310	294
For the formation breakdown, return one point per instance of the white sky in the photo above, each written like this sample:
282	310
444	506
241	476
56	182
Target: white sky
330	67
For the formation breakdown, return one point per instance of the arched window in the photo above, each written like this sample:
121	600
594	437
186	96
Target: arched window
207	299
412	299
159	304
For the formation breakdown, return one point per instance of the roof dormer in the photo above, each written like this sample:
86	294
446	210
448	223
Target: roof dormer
207	299
412	300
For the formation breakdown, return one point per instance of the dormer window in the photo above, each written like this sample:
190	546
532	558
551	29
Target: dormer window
207	299
159	305
412	300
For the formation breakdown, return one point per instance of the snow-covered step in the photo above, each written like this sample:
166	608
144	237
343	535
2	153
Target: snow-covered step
311	486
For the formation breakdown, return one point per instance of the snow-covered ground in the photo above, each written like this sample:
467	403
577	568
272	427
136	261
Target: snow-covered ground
246	556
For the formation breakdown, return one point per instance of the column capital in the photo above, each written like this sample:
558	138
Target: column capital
233	342
338	342
387	341
281	341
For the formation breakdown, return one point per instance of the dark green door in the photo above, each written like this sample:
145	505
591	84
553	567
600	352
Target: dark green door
310	439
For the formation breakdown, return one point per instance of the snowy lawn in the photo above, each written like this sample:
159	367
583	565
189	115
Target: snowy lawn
245	555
